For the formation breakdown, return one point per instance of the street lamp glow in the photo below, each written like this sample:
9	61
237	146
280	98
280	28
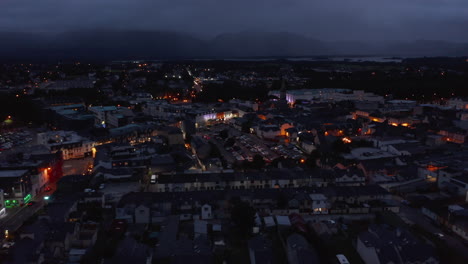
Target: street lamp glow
46	198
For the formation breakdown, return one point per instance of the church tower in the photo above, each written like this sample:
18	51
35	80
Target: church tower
283	90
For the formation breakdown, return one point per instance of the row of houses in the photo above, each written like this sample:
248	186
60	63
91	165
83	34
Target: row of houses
146	207
269	179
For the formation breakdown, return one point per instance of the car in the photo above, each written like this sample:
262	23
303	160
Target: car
31	203
8	245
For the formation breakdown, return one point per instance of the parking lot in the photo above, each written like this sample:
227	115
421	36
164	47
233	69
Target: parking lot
12	139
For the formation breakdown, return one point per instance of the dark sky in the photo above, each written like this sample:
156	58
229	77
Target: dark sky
321	19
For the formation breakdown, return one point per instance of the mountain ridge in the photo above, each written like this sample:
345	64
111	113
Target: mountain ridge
104	45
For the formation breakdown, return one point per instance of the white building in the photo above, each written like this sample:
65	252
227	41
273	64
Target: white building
206	212
329	95
72	145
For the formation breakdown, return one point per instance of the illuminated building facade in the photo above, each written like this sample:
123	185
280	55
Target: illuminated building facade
69	143
17	187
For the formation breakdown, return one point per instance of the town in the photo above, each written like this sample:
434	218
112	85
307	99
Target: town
301	160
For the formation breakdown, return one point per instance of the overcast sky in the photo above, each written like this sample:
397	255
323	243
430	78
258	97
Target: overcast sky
321	19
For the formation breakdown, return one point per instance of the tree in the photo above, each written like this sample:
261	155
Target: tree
340	147
282	201
258	162
243	216
230	142
224	133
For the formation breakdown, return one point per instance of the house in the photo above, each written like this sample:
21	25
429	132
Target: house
299	251
269	132
206	212
457	185
319	203
460	224
349	177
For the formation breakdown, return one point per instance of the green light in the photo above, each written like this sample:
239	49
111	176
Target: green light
11	203
27	198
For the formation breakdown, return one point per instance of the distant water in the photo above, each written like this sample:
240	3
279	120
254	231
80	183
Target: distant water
344	59
316	58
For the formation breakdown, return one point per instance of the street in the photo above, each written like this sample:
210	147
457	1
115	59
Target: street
415	216
77	166
15	217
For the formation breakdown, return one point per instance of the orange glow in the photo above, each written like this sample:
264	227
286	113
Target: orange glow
326	133
394	124
434	168
302	160
405	124
346	140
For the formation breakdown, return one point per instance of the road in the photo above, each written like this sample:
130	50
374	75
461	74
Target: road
415	216
15	217
77	166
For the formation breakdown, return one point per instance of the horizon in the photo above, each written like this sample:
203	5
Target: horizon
208	38
334	20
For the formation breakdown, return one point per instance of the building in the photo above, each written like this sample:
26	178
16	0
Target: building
16	186
72	145
299	251
111	116
328	95
319	203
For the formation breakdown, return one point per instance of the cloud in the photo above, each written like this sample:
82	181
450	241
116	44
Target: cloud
323	19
